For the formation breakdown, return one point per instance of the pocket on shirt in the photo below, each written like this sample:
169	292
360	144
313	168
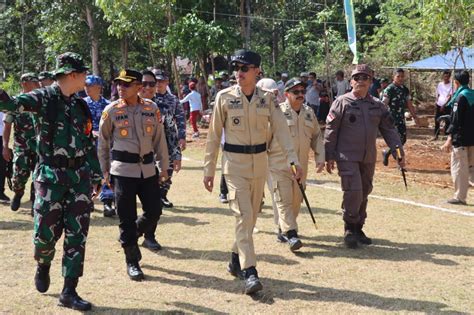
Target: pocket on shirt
236	120
263	118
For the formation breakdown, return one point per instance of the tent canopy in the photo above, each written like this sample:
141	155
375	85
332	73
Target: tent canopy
445	61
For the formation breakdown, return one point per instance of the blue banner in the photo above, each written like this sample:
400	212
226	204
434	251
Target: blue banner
351	29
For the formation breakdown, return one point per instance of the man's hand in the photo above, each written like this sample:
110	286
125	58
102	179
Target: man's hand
446	147
96	190
163	176
330	165
402	162
319	167
177	165
95	133
208	183
182	144
7	154
297	173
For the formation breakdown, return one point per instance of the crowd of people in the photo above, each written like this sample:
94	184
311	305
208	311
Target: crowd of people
78	145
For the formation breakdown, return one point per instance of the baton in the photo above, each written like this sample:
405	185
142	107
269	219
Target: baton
293	168
402	170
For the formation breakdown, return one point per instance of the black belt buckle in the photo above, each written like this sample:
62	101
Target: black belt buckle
140	159
251	149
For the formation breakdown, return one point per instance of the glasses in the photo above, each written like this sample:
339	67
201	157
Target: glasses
149	83
298	92
243	68
125	84
360	77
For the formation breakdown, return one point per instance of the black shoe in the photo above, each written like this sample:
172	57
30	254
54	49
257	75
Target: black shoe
134	271
252	282
280	237
385	155
223	198
69	297
151	244
42	279
234	266
293	241
350	236
166	203
109	211
15	204
363	239
4	198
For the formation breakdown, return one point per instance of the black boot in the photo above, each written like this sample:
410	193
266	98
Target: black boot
132	257
252	282
164	200
385	157
234	266
363	239
15	204
109	211
69	297
151	244
350	235
42	278
293	241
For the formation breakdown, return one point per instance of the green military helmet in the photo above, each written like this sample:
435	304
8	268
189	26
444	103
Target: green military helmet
45	75
29	76
69	62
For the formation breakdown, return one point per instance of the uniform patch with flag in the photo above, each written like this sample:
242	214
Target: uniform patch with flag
330	117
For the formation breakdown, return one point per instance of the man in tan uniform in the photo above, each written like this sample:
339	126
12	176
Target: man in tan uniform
351	131
248	115
306	134
132	128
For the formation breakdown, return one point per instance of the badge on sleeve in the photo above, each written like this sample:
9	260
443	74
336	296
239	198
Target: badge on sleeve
105	115
330	117
158	115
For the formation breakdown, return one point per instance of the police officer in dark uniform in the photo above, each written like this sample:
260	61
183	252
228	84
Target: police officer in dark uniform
132	128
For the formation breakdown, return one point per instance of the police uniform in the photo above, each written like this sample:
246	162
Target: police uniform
135	135
67	168
306	134
350	140
247	126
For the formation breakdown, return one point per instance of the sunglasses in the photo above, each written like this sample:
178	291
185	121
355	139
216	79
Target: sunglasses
125	84
243	68
298	92
149	83
360	77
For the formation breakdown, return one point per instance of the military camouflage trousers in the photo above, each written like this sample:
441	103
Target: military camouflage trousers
58	208
23	165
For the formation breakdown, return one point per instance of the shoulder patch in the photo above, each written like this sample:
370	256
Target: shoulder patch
105	115
158	115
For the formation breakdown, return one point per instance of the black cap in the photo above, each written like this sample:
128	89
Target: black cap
246	57
292	83
160	75
129	75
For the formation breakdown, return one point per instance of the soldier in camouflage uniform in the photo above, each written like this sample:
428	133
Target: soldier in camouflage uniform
24	149
397	97
66	176
149	82
46	78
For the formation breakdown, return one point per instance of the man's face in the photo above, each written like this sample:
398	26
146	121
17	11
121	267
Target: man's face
79	79
446	77
148	86
29	86
128	89
304	79
93	90
399	78
246	74
46	82
312	78
161	86
284	78
295	95
361	83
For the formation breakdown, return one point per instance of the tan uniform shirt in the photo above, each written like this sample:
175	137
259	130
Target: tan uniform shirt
135	129
305	133
245	123
351	129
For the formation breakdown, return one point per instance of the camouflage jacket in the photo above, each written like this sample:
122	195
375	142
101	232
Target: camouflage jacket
396	97
172	116
24	134
71	138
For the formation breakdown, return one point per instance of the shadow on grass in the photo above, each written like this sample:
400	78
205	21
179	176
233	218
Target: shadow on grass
17	225
384	250
287	290
215	255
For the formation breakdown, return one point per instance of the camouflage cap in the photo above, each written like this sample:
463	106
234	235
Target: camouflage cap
29	76
45	75
69	62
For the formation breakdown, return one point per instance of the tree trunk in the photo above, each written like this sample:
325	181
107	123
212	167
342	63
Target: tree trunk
245	22
173	57
247	30
213	66
202	65
150	49
274	45
124	51
22	22
94	41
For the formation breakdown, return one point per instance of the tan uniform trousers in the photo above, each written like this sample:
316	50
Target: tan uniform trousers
245	196
462	169
287	199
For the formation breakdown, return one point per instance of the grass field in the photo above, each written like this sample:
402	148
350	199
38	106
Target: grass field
422	260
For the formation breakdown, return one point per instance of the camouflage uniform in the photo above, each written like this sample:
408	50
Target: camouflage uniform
398	97
66	168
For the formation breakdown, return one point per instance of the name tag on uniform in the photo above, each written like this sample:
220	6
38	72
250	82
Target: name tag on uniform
121	117
151	114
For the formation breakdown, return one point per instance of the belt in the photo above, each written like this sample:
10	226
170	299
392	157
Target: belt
127	157
61	161
246	149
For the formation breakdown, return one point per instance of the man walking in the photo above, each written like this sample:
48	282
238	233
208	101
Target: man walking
444	91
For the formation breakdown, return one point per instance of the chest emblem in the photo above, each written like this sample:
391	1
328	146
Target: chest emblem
123	132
